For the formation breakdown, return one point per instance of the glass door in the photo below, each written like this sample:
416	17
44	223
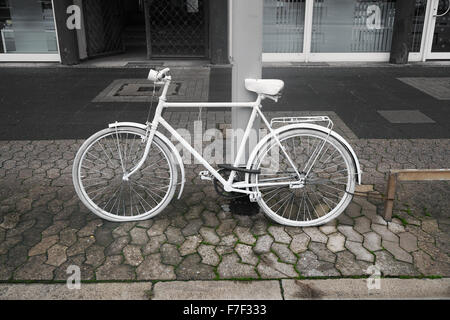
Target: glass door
438	35
283	29
27	31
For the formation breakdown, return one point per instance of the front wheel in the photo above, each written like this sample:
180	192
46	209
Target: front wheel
99	175
312	199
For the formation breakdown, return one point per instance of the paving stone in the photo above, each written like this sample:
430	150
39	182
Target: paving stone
152	269
228	241
350	233
208	254
328	229
430	226
55	228
113	269
244	235
309	266
263	244
322	252
132	255
192	269
56	255
23	205
246	254
209	235
231	268
433	251
269	267
170	254
90	228
9	243
391	267
299	243
395	227
35	269
429	267
284	253
23	226
210	219
138	236
259	227
419	233
359	251
123	229
192	227
117	246
375	218
345	220
353	210
362	225
385	233
315	234
10	220
178	222
95	255
348	266
279	234
226	227
396	251
372	241
80	246
174	235
408	241
158	227
336	242
146	224
190	245
43	246
194	212
244	221
16	256
223	250
154	244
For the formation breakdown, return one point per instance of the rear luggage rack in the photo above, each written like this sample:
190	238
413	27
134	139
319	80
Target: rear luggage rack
290	120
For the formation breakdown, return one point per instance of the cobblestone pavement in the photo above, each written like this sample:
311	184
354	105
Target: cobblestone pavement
44	228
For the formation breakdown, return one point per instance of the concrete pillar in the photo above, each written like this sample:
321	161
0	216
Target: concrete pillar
67	39
246	55
401	34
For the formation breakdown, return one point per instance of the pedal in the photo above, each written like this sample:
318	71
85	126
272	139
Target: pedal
205	175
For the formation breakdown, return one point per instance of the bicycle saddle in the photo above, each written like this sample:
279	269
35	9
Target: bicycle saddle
271	87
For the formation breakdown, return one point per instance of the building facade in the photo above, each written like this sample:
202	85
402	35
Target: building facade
293	30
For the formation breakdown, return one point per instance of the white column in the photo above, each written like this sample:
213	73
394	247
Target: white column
246	54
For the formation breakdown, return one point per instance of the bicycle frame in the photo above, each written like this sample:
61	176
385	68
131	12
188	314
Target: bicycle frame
229	186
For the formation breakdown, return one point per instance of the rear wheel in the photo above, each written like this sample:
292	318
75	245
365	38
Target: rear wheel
322	195
99	180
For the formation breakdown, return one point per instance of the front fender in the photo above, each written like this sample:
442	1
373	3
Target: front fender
313	127
165	140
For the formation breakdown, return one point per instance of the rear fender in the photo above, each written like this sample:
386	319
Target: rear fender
165	140
307	126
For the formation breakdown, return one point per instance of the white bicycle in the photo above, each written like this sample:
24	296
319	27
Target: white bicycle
301	174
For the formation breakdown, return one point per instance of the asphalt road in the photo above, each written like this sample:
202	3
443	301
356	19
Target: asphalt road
56	103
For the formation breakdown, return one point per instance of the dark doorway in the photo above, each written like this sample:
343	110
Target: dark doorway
133	35
178	28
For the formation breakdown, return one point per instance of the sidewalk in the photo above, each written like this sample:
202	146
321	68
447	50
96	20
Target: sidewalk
234	290
44	228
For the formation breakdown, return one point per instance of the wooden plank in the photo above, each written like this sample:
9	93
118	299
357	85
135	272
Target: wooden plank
410	175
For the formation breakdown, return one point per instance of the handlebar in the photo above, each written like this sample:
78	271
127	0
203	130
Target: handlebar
155	76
